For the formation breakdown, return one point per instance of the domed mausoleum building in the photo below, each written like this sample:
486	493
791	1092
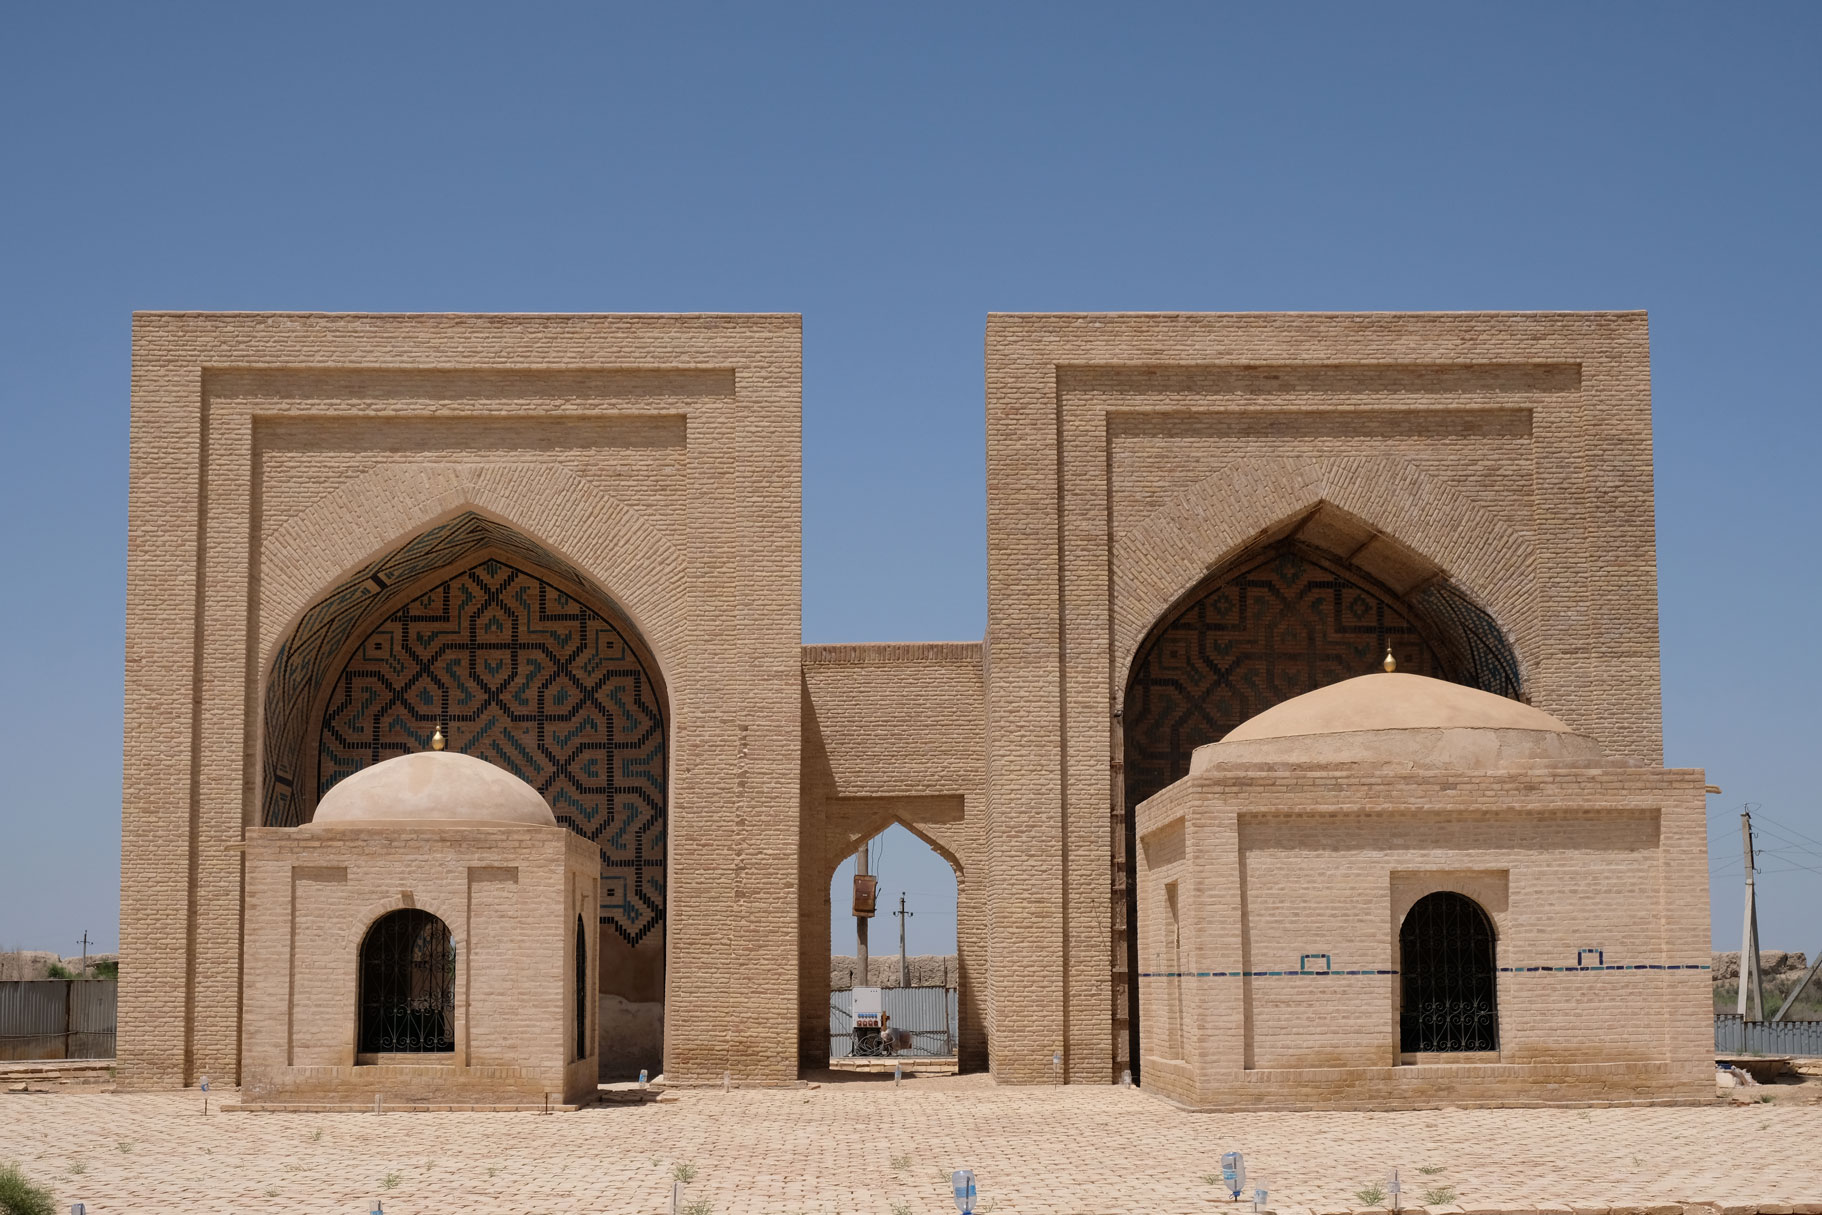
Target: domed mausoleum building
424	941
1397	891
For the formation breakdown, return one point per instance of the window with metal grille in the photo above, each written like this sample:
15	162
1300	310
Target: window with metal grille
407	984
581	990
1448	975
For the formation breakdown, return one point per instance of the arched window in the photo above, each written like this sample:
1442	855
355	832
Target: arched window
581	990
407	984
1449	977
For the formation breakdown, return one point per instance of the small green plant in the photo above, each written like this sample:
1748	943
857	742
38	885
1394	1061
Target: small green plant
59	971
1211	1179
1430	1170
1765	1098
126	1145
390	1181
699	1207
20	1197
901	1208
316	1136
106	969
272	1191
685	1173
78	1168
492	1169
901	1163
1441	1196
1372	1196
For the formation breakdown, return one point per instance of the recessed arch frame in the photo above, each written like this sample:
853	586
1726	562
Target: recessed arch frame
606	550
1206	526
1210	531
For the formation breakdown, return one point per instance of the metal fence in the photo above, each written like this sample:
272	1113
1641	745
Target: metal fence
57	1018
932	1015
1734	1035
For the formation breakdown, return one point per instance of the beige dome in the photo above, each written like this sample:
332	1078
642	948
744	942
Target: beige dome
439	787
1402	721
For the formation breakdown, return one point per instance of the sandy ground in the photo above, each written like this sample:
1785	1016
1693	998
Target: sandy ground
862	1145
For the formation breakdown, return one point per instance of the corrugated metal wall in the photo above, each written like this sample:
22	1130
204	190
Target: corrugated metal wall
57	1018
931	1014
1735	1036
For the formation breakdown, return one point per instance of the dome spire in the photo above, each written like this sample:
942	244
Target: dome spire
1391	663
437	742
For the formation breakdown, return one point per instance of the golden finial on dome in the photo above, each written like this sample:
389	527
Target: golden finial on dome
437	742
1391	663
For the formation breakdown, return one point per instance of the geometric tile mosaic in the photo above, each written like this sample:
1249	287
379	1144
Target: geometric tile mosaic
1285	624
517	672
513	667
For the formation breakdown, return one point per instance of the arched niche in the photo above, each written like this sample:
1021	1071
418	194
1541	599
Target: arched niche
479	631
1286	617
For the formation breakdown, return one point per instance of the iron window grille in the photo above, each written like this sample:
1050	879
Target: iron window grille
1449	977
407	994
581	990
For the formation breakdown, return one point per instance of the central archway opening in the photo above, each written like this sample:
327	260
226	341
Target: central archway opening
912	958
1281	620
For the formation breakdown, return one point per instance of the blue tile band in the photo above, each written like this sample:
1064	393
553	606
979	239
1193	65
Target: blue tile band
1317	974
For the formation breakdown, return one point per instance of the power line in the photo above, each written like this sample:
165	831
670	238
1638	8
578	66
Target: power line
1792	830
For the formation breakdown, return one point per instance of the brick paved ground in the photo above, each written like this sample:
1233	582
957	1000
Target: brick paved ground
862	1147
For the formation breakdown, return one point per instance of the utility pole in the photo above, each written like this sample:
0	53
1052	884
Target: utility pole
860	921
1749	934
85	953
904	963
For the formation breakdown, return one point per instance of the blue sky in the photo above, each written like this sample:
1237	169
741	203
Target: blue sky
894	173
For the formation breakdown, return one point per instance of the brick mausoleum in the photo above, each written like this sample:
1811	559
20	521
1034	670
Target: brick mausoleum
570	547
